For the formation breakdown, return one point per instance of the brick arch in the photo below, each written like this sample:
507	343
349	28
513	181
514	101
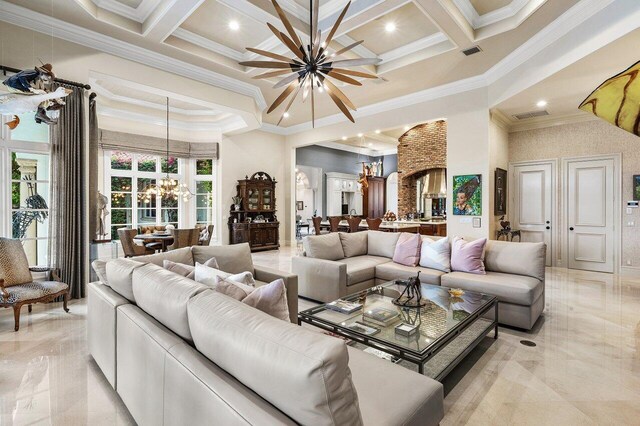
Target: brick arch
421	148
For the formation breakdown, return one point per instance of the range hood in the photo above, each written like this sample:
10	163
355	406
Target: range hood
434	184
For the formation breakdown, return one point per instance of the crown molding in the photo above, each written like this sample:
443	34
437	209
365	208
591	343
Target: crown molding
23	17
208	44
478	21
550	121
500	119
139	14
357	149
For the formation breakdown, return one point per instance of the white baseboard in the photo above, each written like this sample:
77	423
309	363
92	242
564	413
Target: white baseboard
630	271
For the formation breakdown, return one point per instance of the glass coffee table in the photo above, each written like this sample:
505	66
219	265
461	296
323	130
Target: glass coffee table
436	336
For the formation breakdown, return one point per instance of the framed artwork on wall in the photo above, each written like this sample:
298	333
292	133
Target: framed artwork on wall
636	187
500	193
300	205
467	195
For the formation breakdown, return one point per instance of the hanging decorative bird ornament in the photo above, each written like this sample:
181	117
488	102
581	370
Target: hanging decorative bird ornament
31	91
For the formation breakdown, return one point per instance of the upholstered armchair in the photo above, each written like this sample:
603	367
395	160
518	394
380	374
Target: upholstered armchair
205	234
184	238
130	248
17	284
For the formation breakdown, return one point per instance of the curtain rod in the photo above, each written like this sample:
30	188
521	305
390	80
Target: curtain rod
6	69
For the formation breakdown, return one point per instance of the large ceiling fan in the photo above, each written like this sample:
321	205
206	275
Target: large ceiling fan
313	66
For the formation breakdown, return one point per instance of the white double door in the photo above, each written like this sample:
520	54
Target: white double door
589	213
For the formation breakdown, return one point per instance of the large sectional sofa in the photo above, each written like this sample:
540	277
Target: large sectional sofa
338	264
178	352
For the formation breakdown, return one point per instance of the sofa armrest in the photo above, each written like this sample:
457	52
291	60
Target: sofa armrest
319	279
264	274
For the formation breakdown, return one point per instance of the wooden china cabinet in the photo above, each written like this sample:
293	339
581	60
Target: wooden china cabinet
255	222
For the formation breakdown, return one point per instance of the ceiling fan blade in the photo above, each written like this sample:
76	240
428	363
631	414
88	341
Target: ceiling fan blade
353	62
336	25
305	92
292	46
269	64
293	98
341	77
316	45
346	49
353	73
287	80
287	24
313	108
333	89
290	88
275	31
340	105
272	74
269	54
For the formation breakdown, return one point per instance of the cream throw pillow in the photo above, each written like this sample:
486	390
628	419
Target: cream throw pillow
185	270
207	275
269	298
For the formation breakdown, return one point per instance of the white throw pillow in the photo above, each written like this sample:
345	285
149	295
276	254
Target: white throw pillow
188	271
207	275
436	254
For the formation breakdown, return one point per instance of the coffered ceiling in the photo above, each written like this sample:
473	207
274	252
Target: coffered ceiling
423	49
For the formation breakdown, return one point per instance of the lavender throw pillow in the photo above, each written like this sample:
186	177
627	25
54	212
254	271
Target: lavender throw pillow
407	249
466	256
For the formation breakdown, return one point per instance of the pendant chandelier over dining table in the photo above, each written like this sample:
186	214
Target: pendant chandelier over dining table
168	188
313	65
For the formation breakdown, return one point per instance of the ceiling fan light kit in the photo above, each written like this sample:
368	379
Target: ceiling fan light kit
312	68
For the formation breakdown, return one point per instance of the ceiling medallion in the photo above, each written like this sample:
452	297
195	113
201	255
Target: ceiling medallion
313	65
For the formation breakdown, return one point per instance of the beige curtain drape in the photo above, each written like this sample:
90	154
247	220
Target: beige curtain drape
67	236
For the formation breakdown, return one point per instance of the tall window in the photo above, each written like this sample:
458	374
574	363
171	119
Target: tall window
128	175
204	191
24	192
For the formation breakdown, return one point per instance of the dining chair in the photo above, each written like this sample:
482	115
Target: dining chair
317	220
184	238
205	234
354	223
129	247
334	223
374	224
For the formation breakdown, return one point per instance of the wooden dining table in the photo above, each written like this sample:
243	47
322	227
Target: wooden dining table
164	239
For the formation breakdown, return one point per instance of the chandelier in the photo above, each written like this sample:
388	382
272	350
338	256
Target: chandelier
313	64
168	188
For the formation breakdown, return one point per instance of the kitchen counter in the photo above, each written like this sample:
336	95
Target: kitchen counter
433	228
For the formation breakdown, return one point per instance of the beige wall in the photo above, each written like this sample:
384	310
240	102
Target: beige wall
587	139
499	157
243	155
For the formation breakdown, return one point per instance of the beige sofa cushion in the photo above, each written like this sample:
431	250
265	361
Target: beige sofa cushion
233	259
362	268
516	258
120	276
382	243
304	374
14	266
518	289
327	247
182	255
100	268
394	271
354	244
164	295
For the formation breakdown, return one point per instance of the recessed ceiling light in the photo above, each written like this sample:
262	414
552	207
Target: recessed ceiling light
390	27
542	104
377	132
234	25
359	135
344	138
285	115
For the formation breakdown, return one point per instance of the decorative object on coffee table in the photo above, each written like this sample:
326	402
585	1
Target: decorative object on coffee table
411	297
500	193
255	222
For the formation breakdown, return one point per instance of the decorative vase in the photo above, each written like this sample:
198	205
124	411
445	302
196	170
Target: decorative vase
236	207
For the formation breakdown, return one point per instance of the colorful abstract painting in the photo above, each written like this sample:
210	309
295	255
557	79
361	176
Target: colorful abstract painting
467	195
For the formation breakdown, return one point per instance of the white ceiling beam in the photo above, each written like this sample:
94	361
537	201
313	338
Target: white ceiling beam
417	51
450	21
167	17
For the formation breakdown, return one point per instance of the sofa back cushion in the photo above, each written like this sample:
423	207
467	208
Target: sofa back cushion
302	373
327	247
516	258
354	244
120	276
233	259
182	255
382	243
436	254
467	256
407	250
164	295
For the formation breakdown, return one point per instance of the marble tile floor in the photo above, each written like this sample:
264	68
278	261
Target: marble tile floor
585	369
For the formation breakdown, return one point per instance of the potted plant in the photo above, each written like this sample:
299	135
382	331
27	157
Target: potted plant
237	201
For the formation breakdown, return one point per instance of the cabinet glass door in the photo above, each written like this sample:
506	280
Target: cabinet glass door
267	201
253	200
